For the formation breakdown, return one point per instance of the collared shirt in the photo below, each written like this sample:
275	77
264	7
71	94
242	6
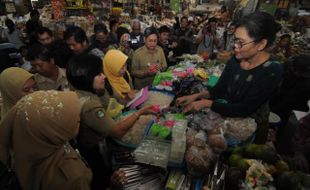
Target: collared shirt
137	40
141	61
95	123
45	83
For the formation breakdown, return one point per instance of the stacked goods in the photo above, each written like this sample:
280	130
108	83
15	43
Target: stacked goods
198	155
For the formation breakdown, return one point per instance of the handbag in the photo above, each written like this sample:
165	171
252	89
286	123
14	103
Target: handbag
8	179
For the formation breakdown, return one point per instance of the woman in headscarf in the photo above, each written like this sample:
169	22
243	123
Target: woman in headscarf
115	69
37	129
14	84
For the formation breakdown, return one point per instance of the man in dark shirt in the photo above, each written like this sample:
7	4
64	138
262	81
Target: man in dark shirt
32	25
77	41
136	36
166	44
185	37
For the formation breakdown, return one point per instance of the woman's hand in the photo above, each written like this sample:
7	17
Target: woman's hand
184	100
132	94
197	105
153	69
146	110
118	179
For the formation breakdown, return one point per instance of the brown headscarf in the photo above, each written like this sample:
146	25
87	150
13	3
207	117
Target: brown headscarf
38	128
12	81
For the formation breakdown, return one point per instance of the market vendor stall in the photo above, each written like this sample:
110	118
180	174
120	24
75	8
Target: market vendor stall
201	149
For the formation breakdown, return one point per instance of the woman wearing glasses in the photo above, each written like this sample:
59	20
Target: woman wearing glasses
249	78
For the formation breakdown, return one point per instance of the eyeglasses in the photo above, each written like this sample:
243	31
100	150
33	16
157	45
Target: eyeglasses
240	45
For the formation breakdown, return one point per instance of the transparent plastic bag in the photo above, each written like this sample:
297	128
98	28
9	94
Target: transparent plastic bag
217	142
198	160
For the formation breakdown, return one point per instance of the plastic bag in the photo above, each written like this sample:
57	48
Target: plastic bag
217	142
240	128
136	133
114	108
199	159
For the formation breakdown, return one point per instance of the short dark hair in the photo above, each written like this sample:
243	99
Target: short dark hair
100	28
149	31
38	51
60	52
164	29
260	25
81	71
10	24
112	22
42	30
120	31
184	17
77	33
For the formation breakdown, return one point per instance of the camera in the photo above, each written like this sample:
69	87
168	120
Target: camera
126	42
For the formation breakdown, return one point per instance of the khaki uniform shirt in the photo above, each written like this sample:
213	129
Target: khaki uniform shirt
141	60
95	124
45	83
104	99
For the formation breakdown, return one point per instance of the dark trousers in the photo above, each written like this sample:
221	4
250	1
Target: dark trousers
101	172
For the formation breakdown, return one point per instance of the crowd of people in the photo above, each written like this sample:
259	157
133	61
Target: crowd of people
55	98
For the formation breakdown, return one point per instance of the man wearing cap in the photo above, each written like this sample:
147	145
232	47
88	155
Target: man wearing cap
148	60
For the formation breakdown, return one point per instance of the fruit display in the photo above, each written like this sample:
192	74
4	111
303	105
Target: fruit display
264	169
260	152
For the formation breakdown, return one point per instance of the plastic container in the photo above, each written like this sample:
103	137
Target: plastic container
153	152
178	144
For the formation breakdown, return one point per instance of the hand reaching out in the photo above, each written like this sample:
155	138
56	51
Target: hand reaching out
185	100
118	179
197	105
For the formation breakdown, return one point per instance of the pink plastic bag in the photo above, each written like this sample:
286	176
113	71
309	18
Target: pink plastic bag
141	99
